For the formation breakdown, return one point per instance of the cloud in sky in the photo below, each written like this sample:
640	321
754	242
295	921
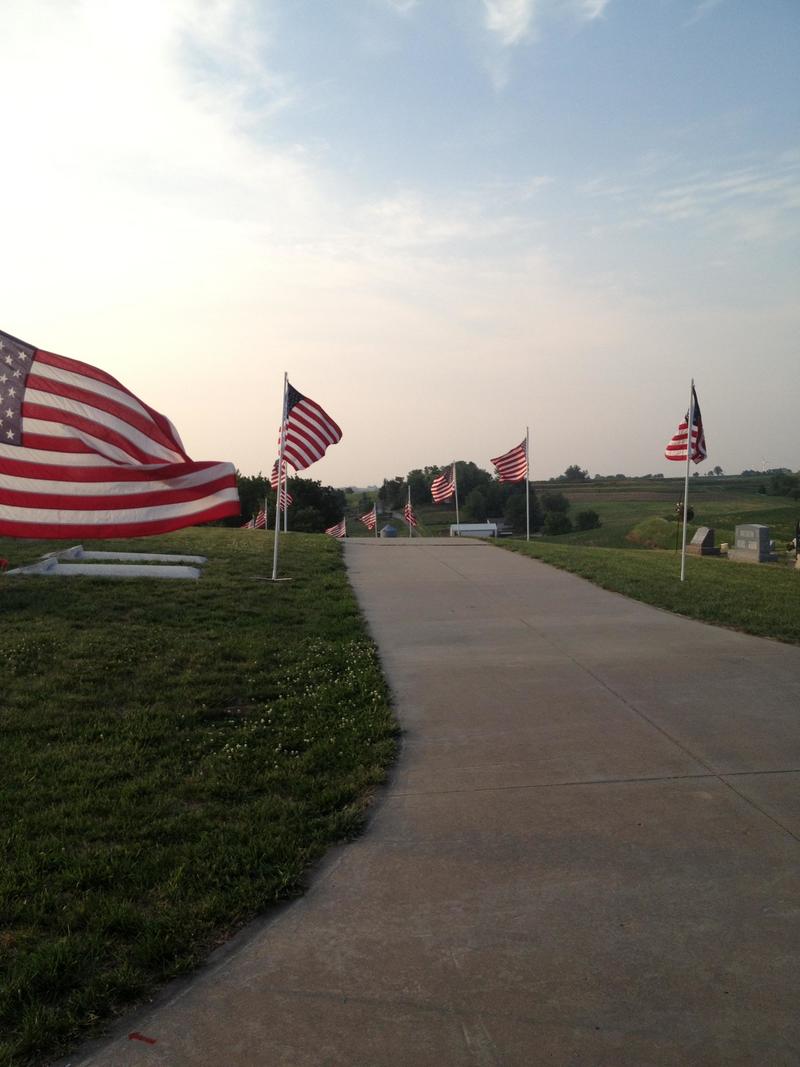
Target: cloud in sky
510	20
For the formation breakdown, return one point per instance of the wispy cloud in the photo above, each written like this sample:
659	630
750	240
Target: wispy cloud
758	200
510	20
400	7
704	8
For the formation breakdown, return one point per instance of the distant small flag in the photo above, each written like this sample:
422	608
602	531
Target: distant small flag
444	485
339	530
676	449
81	456
370	520
513	465
286	498
260	522
309	430
249	525
408	515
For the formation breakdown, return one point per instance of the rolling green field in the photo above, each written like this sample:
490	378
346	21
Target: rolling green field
720	503
175	756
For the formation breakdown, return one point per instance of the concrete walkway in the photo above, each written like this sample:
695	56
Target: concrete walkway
589	853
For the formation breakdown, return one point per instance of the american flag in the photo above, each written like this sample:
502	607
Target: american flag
249	525
408	514
513	465
444	485
81	456
286	497
260	521
370	520
309	430
676	449
339	530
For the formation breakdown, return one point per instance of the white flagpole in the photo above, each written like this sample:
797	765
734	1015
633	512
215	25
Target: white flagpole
527	484
455	486
280	468
266	514
686	487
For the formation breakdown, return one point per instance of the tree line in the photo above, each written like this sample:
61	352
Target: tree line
482	497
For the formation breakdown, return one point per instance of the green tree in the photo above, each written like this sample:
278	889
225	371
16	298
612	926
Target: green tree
554	502
587	520
475	506
575	473
556	522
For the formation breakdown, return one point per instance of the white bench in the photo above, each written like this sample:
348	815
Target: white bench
473	529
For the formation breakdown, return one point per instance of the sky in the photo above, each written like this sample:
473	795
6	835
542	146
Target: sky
447	220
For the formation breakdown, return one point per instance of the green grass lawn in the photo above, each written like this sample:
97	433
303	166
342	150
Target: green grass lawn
761	599
175	756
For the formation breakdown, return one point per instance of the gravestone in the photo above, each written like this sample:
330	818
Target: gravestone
702	544
751	545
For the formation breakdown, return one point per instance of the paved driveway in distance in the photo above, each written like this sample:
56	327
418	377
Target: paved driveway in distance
589	853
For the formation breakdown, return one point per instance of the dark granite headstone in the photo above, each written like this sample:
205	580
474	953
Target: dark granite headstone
752	544
702	544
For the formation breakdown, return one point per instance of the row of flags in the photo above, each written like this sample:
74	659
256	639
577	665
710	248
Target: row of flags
82	456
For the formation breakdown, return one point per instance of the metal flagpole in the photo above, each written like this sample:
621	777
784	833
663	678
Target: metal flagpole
266	514
689	428
280	468
527	484
455	486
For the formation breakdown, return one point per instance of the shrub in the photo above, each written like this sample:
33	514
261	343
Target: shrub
587	520
555	522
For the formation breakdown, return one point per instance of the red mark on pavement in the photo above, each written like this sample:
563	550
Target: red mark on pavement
136	1036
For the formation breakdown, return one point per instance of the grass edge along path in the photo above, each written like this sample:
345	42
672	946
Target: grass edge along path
763	600
176	756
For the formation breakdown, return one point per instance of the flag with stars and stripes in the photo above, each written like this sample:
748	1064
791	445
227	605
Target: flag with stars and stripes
81	456
370	520
444	485
512	466
677	446
339	530
249	525
260	521
286	497
408	514
309	430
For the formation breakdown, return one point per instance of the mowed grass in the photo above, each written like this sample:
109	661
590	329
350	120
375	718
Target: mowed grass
762	599
175	756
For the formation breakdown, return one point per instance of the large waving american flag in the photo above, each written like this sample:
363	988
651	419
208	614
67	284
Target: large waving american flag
81	456
309	430
677	446
444	485
512	466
